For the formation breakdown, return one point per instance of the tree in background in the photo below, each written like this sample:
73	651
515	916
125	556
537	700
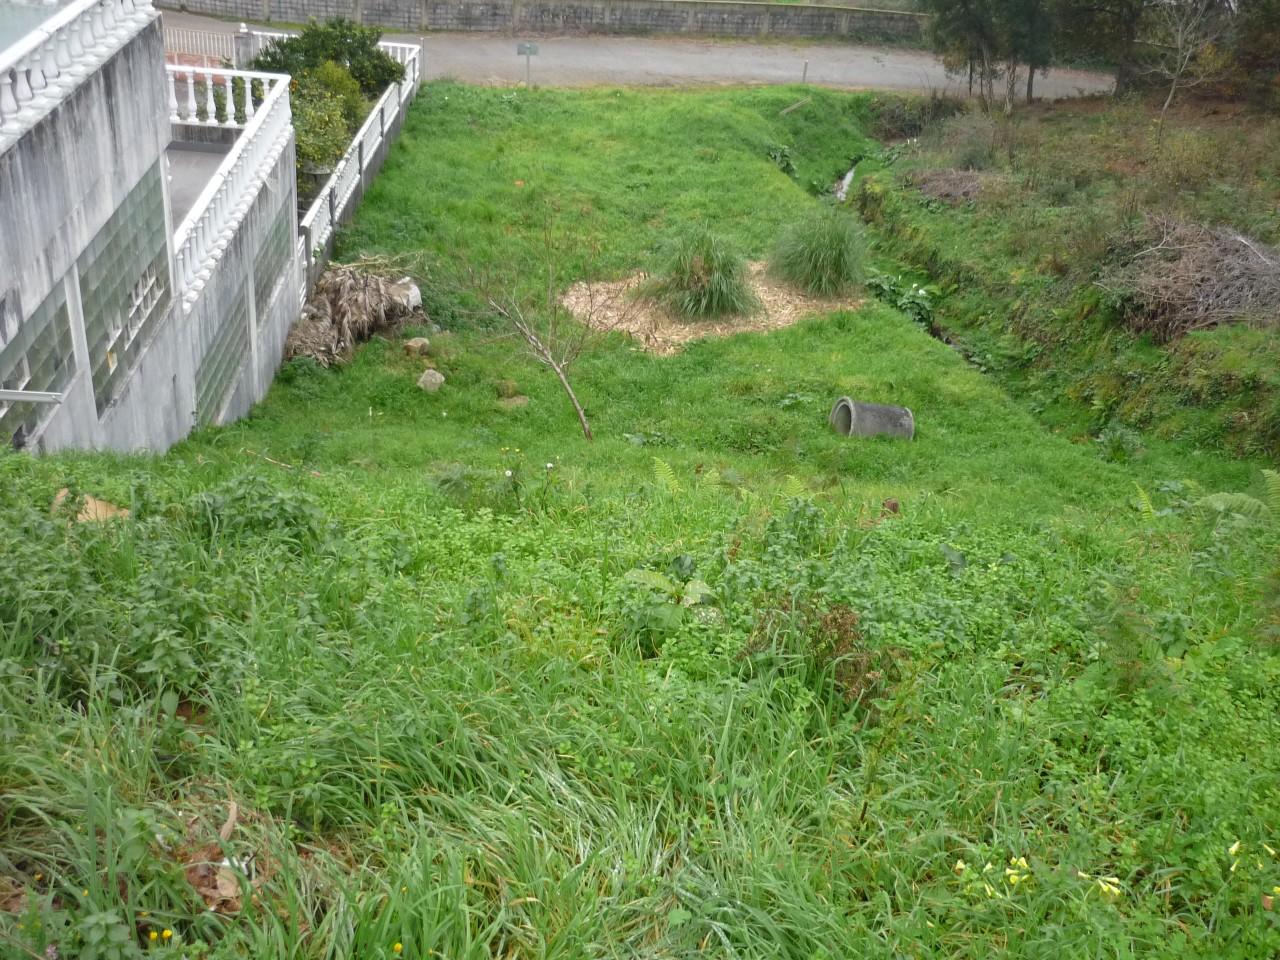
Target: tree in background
993	38
1107	30
1185	37
1028	29
1255	45
963	32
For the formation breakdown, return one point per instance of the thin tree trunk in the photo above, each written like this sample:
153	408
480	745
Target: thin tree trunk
971	76
1031	76
573	398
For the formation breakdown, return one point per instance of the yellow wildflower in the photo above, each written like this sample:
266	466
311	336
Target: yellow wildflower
959	868
397	947
153	936
167	933
1233	849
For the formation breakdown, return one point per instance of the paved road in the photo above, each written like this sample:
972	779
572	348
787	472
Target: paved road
671	61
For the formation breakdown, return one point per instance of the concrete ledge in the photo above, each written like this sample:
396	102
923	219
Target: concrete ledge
723	18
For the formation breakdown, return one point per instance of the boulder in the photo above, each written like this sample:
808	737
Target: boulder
431	381
417	347
407	294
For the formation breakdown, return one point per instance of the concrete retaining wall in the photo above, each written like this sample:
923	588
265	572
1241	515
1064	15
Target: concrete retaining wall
725	18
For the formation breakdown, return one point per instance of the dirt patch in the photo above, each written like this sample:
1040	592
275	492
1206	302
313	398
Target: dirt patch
613	305
950	186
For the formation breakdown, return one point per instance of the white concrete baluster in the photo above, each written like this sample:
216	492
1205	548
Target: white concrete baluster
97	32
110	22
62	50
191	97
37	80
248	101
209	108
173	96
230	102
8	103
21	87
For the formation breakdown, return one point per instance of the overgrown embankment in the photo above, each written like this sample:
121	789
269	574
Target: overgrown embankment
1105	269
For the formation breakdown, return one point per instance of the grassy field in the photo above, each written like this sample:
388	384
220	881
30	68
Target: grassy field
480	689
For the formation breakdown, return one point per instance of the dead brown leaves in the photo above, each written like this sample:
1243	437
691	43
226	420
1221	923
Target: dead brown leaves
349	305
1193	277
223	880
92	509
949	186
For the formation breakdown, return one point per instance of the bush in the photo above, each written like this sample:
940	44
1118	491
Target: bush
340	42
898	117
823	254
970	142
704	277
319	124
338	81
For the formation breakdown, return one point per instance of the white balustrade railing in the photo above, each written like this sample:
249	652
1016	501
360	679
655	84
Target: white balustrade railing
205	231
200	43
38	70
221	98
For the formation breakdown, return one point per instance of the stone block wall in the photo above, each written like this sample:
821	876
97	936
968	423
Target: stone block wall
725	18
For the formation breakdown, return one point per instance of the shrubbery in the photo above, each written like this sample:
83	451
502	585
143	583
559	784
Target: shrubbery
337	68
823	254
704	277
339	42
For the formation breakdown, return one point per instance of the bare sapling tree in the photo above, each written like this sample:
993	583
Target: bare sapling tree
1185	37
552	334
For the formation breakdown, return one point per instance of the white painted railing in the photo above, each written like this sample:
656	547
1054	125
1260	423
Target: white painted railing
200	43
221	98
203	235
194	89
38	70
250	43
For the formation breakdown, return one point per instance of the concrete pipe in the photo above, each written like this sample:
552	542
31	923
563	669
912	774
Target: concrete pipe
854	419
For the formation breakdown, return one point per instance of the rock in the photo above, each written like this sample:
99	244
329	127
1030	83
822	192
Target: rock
507	389
431	381
407	293
512	403
417	347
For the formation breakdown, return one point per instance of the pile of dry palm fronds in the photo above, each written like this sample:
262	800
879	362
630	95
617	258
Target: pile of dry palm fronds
1191	277
351	302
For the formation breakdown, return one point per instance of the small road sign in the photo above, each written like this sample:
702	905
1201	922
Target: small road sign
526	50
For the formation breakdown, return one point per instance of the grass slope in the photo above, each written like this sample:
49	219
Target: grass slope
683	693
1028	267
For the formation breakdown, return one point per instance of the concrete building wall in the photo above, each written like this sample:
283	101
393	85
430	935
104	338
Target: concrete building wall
63	186
726	18
63	180
89	306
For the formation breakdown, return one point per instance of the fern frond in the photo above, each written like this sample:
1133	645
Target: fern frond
1272	479
1145	506
794	489
710	479
665	476
1238	503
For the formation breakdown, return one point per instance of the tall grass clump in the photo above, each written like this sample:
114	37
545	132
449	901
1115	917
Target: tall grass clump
824	254
704	277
